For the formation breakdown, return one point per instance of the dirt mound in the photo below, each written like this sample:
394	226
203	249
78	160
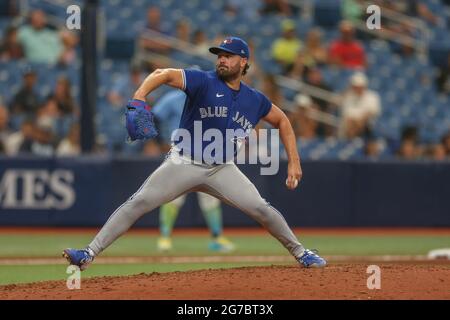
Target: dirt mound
336	281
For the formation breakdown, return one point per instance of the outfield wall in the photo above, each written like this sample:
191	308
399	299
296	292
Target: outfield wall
85	191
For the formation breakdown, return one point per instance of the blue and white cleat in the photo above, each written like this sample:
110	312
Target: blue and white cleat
310	259
81	258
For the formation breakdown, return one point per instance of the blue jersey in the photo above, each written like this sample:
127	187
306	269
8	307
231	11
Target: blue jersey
213	104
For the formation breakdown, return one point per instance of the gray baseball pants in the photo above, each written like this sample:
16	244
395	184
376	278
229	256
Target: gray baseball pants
178	175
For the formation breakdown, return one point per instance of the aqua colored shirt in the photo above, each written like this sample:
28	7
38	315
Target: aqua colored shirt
40	46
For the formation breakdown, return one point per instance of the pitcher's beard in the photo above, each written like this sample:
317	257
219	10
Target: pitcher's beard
227	75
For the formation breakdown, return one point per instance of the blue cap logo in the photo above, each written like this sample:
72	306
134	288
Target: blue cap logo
233	45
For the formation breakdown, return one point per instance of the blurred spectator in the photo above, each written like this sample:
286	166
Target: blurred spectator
254	74
312	55
125	87
48	115
299	68
446	143
352	10
411	8
406	28
10	48
406	49
409	148
275	7
32	139
360	108
40	44
151	149
17	139
183	30
4	129
314	78
315	51
443	78
69	41
26	101
168	110
247	8
436	152
63	97
372	149
146	39
200	41
70	145
286	48
272	90
417	8
218	38
346	52
304	124
42	140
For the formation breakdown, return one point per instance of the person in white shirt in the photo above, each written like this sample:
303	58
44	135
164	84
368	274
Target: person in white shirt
360	108
70	145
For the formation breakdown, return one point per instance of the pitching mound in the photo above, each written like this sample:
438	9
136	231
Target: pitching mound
336	281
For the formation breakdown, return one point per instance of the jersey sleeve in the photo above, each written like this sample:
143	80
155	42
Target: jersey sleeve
193	81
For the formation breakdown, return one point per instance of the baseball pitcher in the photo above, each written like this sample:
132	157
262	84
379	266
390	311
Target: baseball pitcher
218	100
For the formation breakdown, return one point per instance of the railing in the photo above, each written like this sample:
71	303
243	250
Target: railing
312	91
176	43
306	7
420	44
398	17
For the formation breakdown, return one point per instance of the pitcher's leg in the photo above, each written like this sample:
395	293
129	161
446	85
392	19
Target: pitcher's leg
233	187
165	184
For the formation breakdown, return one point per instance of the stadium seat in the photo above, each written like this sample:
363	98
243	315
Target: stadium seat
327	13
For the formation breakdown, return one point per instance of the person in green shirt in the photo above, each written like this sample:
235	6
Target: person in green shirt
286	48
40	44
351	10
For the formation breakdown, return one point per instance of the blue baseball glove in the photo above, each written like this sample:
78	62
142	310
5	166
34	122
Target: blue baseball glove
139	120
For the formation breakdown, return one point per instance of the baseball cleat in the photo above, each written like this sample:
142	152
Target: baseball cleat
164	244
81	258
221	244
310	259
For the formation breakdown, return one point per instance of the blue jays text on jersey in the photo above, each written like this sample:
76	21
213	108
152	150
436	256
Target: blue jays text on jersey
217	106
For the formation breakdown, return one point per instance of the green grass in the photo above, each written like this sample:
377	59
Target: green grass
142	245
46	245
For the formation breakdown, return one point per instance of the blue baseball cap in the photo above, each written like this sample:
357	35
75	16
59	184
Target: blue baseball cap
232	45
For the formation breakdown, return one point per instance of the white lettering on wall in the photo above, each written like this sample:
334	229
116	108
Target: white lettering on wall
37	189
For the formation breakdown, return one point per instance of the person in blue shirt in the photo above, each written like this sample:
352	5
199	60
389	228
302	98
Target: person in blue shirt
218	100
167	111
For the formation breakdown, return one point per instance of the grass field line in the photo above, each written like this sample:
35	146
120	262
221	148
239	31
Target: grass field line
211	259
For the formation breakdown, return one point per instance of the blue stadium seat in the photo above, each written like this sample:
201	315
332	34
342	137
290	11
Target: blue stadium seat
119	48
327	13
